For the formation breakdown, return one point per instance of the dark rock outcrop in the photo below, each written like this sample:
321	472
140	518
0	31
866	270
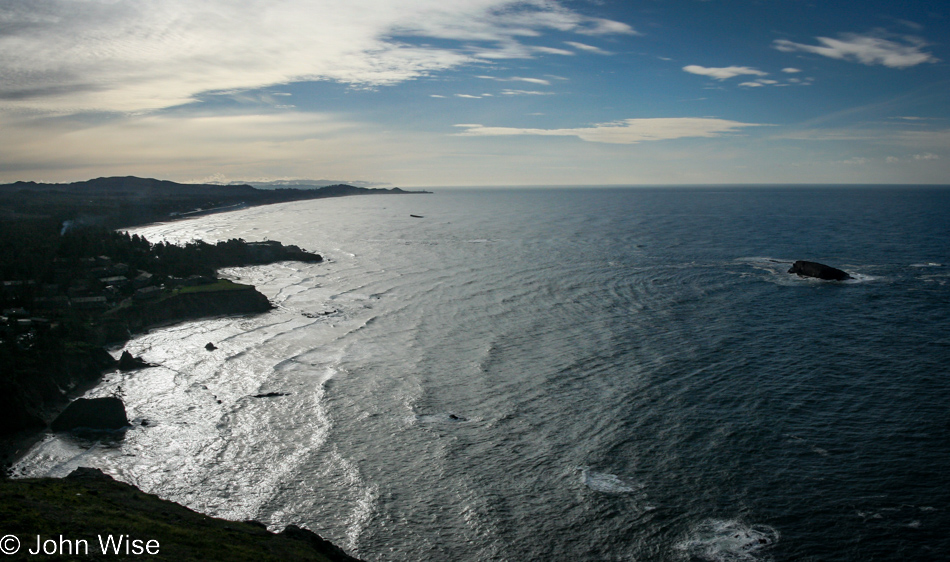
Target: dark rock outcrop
88	502
33	387
129	363
320	544
93	413
818	270
237	299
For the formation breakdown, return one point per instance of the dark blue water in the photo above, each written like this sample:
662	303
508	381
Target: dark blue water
616	374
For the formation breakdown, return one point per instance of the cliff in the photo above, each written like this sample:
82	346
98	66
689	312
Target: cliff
220	298
87	507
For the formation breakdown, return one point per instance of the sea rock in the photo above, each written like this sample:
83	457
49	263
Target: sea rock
818	270
129	363
94	413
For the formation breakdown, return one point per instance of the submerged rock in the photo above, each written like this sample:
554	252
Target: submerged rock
94	413
818	270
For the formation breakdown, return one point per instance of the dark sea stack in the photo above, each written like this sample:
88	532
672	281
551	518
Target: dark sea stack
129	363
818	271
93	413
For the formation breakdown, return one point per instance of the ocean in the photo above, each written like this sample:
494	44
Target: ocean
563	374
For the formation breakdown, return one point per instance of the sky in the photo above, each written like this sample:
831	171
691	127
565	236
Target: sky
477	92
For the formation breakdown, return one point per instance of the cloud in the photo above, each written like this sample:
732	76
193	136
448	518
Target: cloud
129	55
723	73
518	79
752	84
628	131
790	70
507	92
166	143
871	49
599	26
925	157
588	48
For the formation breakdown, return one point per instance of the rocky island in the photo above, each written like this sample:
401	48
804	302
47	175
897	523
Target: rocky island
818	271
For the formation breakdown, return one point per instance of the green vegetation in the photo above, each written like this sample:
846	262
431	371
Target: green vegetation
219	285
88	504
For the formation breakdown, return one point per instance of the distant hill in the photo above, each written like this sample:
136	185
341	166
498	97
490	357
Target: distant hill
127	201
300	184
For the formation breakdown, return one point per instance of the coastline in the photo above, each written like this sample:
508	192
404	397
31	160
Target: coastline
203	298
91	515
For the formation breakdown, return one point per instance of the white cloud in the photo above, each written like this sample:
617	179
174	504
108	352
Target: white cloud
588	48
751	84
518	79
723	73
129	55
871	49
468	96
164	144
790	70
767	82
925	157
525	93
628	131
599	26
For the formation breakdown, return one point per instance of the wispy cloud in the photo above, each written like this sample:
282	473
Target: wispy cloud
870	49
628	131
723	73
128	55
508	92
588	48
517	79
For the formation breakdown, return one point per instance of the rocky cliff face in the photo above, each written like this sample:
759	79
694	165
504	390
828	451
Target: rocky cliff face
186	306
43	382
88	504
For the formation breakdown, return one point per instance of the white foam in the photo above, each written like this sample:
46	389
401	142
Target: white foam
608	483
722	540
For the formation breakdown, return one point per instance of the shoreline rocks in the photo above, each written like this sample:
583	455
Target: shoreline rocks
94	413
